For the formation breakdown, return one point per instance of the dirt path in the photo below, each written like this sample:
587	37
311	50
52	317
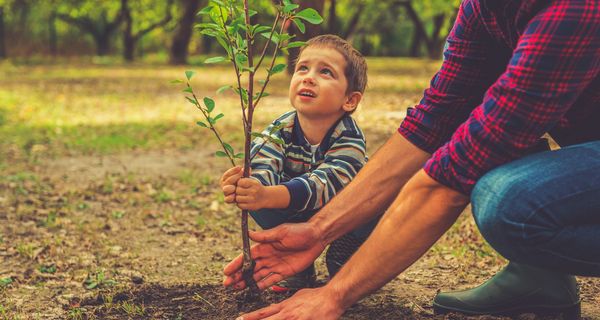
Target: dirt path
144	235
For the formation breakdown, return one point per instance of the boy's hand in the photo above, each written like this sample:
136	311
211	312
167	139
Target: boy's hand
228	183
250	194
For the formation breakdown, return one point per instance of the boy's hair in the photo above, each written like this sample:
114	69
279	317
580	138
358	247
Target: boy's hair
356	65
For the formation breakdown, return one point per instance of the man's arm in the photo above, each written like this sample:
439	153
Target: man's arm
290	248
422	212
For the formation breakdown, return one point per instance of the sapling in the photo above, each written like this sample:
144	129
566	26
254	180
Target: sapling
230	23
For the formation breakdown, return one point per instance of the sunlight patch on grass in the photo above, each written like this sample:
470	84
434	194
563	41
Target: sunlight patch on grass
90	108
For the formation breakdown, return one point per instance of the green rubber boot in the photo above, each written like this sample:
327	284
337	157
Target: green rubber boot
516	289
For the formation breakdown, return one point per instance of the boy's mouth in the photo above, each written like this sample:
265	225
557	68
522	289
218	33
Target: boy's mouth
307	93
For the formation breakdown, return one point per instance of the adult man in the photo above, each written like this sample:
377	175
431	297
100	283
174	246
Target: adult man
513	71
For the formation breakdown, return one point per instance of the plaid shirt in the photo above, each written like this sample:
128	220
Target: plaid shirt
312	179
512	71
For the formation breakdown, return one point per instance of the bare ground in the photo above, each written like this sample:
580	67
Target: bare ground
145	236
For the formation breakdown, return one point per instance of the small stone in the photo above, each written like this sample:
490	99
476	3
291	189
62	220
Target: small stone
137	279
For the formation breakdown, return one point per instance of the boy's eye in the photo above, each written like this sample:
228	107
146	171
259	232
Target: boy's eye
327	71
302	68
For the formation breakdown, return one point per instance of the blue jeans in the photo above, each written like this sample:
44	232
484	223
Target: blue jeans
270	218
544	210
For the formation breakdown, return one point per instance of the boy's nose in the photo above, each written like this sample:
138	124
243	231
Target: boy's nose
308	80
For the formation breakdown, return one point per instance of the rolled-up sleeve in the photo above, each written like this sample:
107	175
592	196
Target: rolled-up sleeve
556	58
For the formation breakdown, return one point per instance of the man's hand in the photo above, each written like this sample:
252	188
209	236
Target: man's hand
306	304
228	183
250	194
280	253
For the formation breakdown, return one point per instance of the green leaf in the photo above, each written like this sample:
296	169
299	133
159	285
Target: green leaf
215	60
262	81
260	29
264	94
223	88
221	154
290	7
176	81
295	44
92	285
310	15
189	74
278	68
241	59
188	90
252	12
228	147
224	44
239	155
257	134
274	38
219	116
205	10
202	124
192	101
276	140
5	281
300	25
209	103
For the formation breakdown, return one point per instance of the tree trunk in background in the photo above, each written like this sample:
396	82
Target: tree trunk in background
128	39
311	30
102	44
181	39
100	31
332	18
52	40
2	48
435	45
419	34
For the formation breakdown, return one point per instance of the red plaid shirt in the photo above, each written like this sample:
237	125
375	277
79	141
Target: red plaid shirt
512	71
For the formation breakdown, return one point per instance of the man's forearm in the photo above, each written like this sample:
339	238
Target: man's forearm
372	190
422	212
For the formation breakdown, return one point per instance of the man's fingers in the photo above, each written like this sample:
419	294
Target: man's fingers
266	236
234	266
268	281
261	313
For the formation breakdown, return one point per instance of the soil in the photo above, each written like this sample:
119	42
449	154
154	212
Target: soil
146	235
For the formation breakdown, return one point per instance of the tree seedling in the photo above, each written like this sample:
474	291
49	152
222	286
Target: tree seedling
230	23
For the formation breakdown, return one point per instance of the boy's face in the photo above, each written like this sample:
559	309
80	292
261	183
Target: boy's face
318	85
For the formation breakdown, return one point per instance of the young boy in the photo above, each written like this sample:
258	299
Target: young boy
322	150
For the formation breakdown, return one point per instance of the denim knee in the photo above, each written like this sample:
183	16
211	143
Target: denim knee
499	212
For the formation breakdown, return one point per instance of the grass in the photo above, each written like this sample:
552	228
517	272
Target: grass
82	108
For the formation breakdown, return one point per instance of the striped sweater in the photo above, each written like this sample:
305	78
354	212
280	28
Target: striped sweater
312	179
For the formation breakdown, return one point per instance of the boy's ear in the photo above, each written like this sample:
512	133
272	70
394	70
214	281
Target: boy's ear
352	101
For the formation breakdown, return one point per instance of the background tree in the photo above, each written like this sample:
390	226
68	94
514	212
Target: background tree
147	20
93	18
2	48
183	33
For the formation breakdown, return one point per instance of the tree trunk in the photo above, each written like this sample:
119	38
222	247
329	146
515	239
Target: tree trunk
311	30
332	18
52	39
100	31
2	48
102	44
181	39
435	44
419	34
128	39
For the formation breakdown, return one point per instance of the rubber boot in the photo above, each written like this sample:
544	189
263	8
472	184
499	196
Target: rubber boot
516	289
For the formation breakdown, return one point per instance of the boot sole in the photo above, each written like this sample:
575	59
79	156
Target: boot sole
571	312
